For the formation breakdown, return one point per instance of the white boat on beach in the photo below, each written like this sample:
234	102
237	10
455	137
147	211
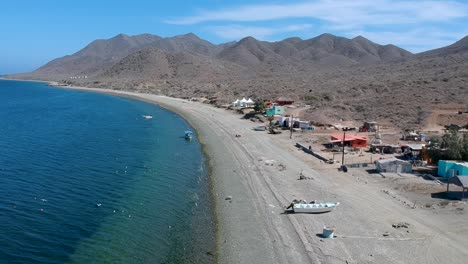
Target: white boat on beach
314	208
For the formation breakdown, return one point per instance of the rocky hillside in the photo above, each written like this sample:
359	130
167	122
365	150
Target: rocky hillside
325	49
103	53
458	48
339	78
155	64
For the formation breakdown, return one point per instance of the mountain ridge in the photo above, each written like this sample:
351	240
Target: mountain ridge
324	49
340	77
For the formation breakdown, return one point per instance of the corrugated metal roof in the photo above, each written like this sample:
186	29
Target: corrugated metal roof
415	146
347	137
391	160
285	99
460	181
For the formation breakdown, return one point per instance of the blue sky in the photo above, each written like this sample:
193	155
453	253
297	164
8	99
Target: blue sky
34	32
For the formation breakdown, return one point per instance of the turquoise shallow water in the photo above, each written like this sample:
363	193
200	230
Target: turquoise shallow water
63	152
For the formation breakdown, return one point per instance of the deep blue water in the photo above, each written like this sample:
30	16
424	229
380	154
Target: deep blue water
63	152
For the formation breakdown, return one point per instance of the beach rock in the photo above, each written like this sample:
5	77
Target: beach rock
401	225
281	167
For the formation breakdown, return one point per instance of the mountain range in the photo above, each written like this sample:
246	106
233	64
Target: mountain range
340	78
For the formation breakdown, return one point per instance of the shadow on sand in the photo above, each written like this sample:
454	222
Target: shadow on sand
451	195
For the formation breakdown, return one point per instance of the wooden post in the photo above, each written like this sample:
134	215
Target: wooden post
291	126
342	156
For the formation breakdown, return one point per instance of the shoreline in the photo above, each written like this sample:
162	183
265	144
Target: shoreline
253	176
188	119
168	107
232	245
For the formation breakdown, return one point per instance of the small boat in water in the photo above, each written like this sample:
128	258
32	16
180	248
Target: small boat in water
188	135
314	208
147	116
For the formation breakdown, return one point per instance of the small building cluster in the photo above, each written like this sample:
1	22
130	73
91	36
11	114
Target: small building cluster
413	136
294	122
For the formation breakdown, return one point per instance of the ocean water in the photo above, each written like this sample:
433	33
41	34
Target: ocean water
84	178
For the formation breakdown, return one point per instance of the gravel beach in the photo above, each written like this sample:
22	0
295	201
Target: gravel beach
255	175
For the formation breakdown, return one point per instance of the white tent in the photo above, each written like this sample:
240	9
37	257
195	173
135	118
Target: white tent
236	103
249	103
242	102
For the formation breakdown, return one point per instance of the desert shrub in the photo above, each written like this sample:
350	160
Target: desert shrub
311	99
451	146
259	106
359	108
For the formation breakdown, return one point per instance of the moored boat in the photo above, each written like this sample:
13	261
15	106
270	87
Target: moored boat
314	207
188	135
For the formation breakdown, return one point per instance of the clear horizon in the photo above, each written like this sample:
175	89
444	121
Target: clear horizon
40	31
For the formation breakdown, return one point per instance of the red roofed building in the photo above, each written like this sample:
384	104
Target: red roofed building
350	140
284	101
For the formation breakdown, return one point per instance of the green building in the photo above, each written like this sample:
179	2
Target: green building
275	110
449	168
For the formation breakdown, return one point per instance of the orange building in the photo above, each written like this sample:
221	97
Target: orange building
350	141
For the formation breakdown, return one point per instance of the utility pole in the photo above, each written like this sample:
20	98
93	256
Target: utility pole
342	156
291	126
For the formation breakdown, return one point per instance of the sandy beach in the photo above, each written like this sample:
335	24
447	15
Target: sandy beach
260	173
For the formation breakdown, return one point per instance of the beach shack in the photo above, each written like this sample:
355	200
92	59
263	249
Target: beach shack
369	126
304	125
275	110
393	165
459	181
451	168
349	140
284	101
412	150
287	121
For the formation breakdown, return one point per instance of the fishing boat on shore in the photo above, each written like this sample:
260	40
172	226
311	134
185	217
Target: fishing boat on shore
314	208
260	128
188	135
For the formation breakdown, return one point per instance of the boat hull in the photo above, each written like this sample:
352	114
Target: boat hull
315	208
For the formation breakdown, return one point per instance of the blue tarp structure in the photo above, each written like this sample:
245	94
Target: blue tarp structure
450	168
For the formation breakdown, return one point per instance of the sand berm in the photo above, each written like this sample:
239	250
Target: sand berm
260	172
